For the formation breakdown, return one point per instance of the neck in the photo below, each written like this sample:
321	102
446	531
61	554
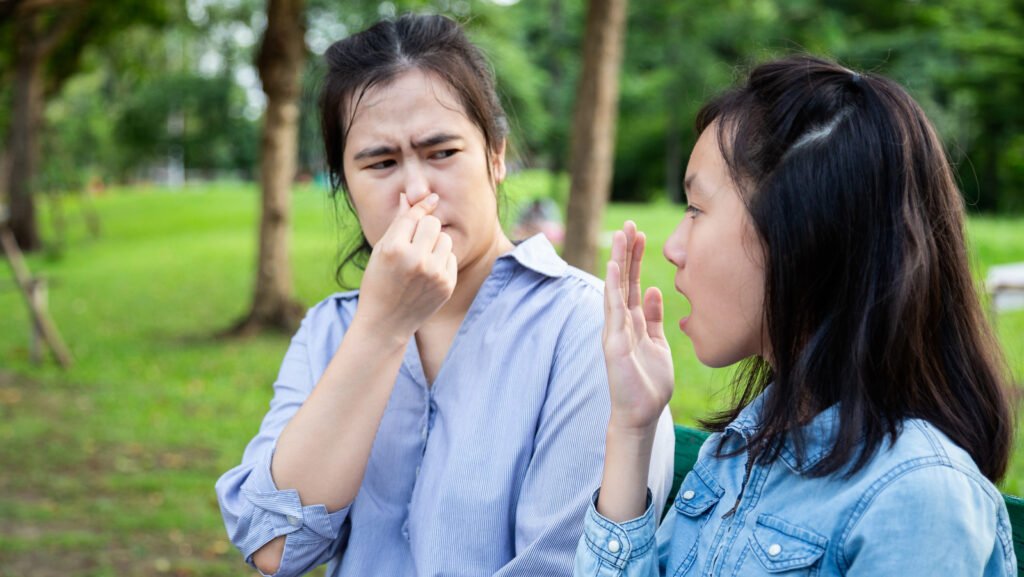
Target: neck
472	275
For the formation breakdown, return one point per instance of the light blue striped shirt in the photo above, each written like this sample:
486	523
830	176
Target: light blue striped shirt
487	472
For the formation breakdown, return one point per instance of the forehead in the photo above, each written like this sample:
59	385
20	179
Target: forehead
414	101
707	172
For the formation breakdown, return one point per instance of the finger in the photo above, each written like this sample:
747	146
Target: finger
629	230
654	313
636	257
442	250
425	236
618	256
614	310
404	225
452	268
443	247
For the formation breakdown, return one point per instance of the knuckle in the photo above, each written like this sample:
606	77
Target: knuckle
387	251
421	268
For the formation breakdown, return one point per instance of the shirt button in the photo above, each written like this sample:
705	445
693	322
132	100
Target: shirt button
688	495
423	433
417	471
613	546
774	549
293	520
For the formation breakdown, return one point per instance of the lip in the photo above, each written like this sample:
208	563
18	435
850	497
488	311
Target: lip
683	322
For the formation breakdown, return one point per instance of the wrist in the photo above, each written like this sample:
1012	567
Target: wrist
383	337
627	461
630	433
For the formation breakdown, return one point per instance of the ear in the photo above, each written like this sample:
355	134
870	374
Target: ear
498	163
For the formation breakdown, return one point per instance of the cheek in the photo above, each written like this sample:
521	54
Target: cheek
375	216
723	282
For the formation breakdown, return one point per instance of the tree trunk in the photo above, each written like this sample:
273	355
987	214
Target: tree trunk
593	131
280	62
23	141
38	30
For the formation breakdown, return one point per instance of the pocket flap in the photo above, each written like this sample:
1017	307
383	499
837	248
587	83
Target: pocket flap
782	546
698	493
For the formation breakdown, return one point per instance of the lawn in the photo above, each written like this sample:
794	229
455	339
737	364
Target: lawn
108	468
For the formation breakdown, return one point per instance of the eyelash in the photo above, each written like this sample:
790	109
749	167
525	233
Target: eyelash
439	155
382	164
693	211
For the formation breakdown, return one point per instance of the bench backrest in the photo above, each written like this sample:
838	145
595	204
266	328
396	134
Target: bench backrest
689	441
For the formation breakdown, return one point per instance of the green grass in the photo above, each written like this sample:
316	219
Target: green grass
108	468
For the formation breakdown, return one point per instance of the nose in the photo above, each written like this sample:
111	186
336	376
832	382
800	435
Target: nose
416	184
675	247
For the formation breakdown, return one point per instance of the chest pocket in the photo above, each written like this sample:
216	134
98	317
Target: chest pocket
778	547
694	502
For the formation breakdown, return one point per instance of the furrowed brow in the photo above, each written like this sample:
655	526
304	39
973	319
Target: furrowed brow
375	151
434	140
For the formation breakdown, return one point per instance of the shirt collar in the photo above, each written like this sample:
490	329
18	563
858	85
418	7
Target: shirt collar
819	434
537	254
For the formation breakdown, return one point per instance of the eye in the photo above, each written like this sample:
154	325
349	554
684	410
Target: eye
693	211
381	165
442	154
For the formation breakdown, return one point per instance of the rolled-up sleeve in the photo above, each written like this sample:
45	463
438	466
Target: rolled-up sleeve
255	511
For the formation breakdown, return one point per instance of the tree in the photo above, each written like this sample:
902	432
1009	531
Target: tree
37	33
593	132
48	39
280	62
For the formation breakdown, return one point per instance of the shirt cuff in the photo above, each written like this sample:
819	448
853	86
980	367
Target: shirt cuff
280	512
618	543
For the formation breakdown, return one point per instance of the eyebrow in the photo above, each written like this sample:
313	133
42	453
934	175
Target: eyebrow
427	142
375	151
434	140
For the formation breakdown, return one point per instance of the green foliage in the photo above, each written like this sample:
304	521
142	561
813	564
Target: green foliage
212	134
963	60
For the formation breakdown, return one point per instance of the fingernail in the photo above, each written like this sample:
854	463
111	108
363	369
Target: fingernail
432	199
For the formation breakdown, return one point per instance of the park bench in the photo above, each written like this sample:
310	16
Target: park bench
688	442
1005	284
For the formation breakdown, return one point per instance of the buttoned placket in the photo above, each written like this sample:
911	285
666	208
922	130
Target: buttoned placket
492	285
733	520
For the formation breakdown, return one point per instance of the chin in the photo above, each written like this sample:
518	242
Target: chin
715	359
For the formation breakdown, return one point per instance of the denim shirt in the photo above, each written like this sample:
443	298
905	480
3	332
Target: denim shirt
919	507
485	471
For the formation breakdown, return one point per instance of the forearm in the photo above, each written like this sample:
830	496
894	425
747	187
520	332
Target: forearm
627	464
323	451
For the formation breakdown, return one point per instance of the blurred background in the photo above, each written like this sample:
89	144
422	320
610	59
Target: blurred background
162	179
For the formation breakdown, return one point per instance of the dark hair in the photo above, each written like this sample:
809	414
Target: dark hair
869	299
379	54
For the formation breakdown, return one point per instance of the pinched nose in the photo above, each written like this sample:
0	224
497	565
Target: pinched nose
417	186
